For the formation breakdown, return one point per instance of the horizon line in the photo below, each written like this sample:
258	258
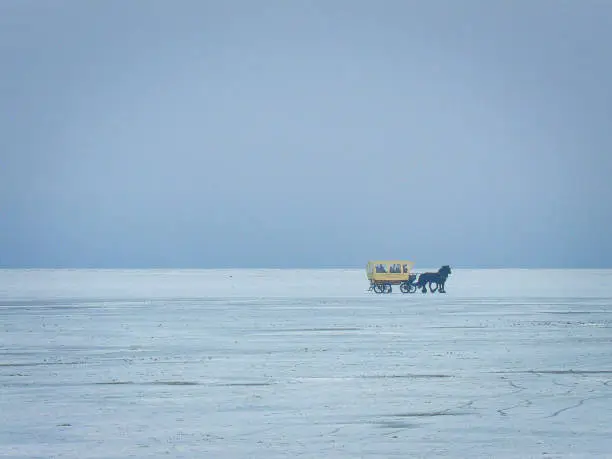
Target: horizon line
276	268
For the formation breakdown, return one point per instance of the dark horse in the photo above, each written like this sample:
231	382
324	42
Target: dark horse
438	278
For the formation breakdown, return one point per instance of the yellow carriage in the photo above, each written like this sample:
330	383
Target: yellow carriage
382	274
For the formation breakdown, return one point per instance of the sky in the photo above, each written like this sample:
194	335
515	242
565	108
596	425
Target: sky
289	134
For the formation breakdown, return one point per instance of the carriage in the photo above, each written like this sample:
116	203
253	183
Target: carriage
383	274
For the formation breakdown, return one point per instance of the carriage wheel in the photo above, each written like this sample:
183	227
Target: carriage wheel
378	288
433	289
412	288
404	287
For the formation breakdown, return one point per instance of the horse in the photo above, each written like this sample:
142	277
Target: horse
438	278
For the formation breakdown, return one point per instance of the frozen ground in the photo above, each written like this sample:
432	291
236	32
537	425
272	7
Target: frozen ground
268	364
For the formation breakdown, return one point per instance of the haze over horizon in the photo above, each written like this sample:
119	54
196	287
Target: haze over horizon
194	134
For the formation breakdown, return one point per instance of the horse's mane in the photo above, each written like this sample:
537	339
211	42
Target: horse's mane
444	271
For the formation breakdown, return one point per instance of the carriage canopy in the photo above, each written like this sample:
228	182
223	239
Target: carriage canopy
389	270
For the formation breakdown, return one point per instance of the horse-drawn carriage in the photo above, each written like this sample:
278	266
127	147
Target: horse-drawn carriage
383	274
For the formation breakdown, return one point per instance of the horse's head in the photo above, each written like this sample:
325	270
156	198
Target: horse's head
445	270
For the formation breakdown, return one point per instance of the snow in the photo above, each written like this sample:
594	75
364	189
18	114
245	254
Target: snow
286	363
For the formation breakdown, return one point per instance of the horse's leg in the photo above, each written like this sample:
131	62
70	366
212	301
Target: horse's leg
420	285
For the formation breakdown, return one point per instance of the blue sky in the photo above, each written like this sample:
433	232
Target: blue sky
305	134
